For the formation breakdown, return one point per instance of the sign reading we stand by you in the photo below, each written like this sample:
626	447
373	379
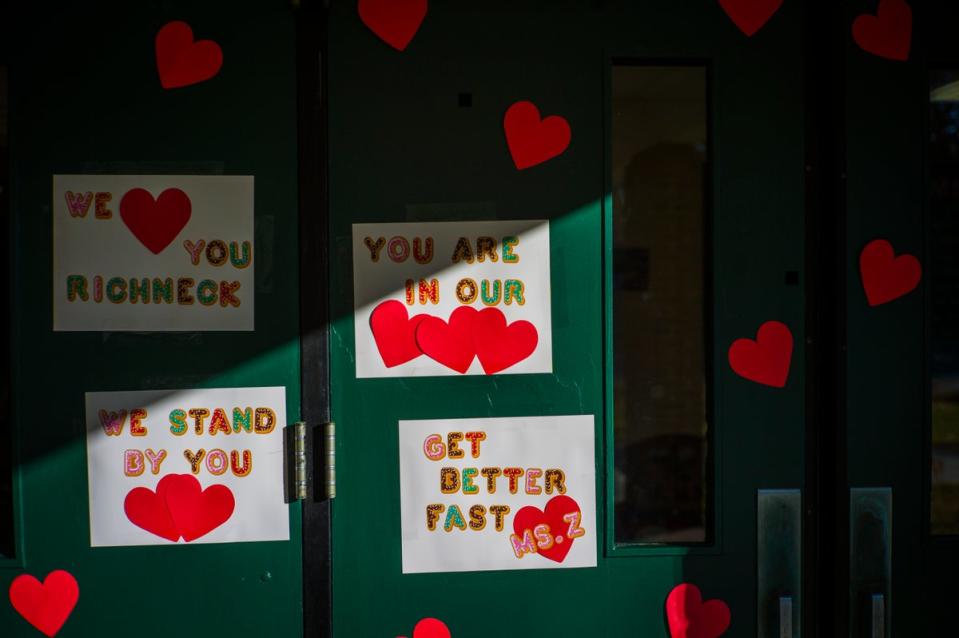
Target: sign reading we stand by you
452	298
153	252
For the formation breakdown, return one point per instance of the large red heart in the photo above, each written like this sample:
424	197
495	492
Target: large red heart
499	346
765	360
431	628
884	276
887	34
148	510
531	140
180	60
750	15
449	343
197	512
690	617
395	333
155	223
45	606
527	518
393	21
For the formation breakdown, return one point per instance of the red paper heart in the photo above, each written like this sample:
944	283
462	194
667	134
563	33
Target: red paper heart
395	333
887	34
527	518
532	141
393	21
180	60
155	223
499	346
690	617
767	359
195	512
45	606
148	510
431	628
884	276
750	15
449	343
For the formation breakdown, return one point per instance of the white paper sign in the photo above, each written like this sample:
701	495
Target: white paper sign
451	298
504	493
152	252
187	466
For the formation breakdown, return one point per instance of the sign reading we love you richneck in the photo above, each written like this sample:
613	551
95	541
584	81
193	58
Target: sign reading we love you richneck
153	252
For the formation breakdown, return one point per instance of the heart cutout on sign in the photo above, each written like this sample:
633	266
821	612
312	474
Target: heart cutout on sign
765	360
558	507
393	21
148	510
689	617
450	344
888	34
181	61
500	346
179	507
750	15
532	140
394	332
46	606
886	277
156	223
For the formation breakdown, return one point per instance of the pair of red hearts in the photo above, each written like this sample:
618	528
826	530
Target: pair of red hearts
179	507
689	617
527	518
887	34
469	334
46	606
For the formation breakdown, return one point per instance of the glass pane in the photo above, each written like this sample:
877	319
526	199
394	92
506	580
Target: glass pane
943	282
659	147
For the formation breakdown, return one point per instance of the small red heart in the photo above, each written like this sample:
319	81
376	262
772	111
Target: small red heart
45	606
195	512
765	360
393	21
690	617
180	60
750	15
431	628
148	510
527	518
395	333
531	140
499	346
155	223
884	276
887	34
449	343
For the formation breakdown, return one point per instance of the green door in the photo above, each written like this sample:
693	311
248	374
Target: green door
675	230
85	99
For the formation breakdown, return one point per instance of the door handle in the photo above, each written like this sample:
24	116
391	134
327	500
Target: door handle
870	561
779	563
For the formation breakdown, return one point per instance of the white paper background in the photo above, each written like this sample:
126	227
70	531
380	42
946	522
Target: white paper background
222	208
564	442
375	282
260	513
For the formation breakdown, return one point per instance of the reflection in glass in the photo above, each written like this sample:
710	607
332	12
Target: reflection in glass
943	280
659	300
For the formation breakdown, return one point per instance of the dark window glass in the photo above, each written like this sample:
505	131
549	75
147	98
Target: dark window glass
943	282
6	429
659	160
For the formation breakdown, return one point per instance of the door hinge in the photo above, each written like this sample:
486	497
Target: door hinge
329	452
298	479
298	438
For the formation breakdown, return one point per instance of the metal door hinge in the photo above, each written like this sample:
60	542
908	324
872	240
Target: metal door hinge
302	469
329	453
297	479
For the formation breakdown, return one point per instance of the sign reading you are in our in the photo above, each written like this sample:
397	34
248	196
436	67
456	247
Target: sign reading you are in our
153	252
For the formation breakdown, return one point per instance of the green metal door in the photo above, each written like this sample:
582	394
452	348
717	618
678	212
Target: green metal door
418	136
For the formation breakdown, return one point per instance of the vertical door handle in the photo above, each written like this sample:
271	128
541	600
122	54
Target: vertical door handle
779	563
870	562
785	617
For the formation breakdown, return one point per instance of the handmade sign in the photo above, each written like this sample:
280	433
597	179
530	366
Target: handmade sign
180	60
765	360
886	277
499	493
750	15
393	21
888	34
152	252
191	466
533	140
46	606
451	298
689	617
